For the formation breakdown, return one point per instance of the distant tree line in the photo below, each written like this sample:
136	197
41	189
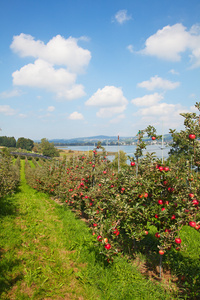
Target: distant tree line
7	141
22	143
44	147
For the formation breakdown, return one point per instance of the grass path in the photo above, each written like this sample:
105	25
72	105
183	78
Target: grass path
46	253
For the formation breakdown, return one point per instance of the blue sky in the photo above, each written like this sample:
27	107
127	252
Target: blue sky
81	68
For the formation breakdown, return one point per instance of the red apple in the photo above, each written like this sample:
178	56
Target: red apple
99	238
161	252
166	169
132	163
153	138
160	202
192	224
195	202
178	241
107	246
192	136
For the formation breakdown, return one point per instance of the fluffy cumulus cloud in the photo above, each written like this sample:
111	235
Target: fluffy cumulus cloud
7	110
171	41
58	51
147	100
76	116
158	83
42	74
56	66
155	112
122	16
110	99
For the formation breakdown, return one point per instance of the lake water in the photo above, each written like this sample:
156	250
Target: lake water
129	150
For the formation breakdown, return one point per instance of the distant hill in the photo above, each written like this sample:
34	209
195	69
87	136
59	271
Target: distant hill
105	140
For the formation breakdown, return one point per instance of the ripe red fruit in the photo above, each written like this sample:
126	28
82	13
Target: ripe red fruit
160	168
192	224
163	208
153	138
173	217
132	163
195	202
192	136
160	202
107	246
116	231
99	238
178	241
166	169
157	234
104	172
191	195
95	224
161	252
146	232
156	216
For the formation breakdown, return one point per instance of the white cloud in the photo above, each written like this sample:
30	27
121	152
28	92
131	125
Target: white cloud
7	110
130	48
51	108
147	100
110	99
171	41
162	114
11	94
194	109
108	112
58	51
56	65
158	83
76	116
172	71
121	16
42	74
109	96
117	119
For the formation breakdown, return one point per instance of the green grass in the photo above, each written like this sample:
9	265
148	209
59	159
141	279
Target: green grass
47	253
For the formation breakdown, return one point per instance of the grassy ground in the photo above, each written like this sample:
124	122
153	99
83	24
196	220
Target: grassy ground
47	253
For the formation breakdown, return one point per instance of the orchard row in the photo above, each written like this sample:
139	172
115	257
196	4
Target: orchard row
9	174
120	207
